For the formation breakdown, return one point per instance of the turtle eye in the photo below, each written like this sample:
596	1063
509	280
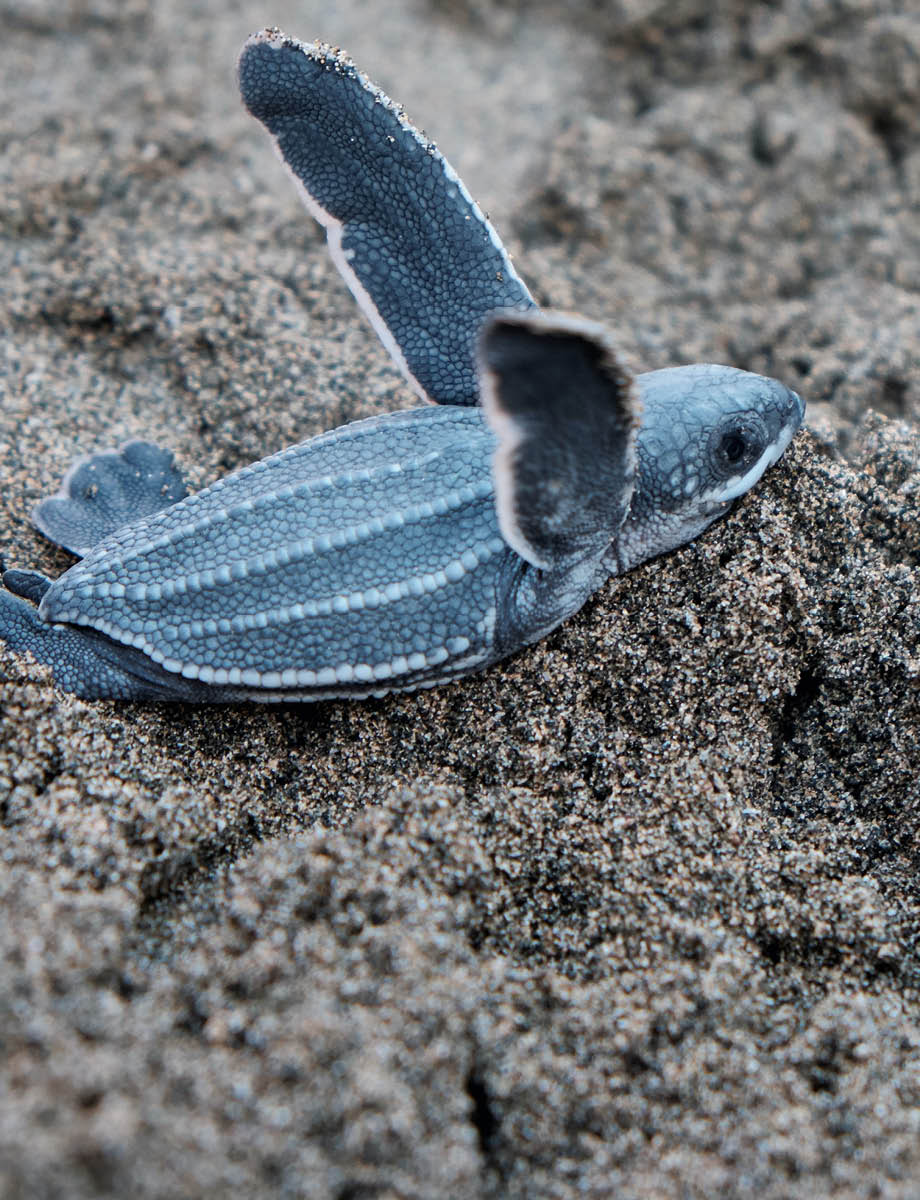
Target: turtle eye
737	445
733	447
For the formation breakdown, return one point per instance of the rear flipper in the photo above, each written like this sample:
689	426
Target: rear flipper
29	584
103	492
84	662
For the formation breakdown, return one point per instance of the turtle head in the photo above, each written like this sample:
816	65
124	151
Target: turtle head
708	433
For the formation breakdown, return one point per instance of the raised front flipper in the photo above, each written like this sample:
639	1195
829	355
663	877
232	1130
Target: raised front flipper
566	414
103	492
420	258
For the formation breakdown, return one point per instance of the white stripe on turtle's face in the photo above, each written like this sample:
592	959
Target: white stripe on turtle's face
731	489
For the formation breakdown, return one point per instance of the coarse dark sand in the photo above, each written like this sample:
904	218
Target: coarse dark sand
635	914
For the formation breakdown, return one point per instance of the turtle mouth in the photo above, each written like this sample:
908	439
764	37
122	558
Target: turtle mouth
718	508
801	406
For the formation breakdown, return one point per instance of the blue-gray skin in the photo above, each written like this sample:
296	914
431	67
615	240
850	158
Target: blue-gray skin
412	548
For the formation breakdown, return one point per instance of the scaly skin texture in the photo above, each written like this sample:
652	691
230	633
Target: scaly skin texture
685	479
413	548
423	262
366	556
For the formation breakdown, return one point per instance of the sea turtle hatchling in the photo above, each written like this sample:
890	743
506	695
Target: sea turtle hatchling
412	548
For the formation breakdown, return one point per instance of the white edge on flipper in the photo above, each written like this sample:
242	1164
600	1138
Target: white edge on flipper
510	436
509	433
334	228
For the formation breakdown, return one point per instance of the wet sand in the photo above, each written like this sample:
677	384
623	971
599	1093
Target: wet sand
636	913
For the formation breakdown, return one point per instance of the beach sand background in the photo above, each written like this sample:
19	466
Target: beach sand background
636	913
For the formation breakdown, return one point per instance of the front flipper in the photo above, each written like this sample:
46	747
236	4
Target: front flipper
417	253
566	415
102	493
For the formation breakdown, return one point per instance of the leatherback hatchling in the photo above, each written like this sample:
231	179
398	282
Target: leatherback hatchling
409	549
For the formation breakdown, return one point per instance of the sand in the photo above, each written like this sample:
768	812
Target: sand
636	913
